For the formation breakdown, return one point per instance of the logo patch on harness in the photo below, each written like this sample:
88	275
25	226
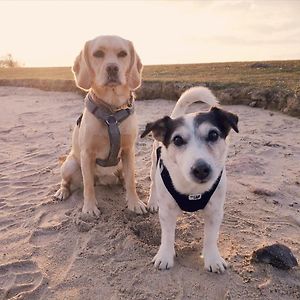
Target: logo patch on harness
195	197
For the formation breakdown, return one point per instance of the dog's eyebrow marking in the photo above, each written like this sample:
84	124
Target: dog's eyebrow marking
205	127
183	132
210	117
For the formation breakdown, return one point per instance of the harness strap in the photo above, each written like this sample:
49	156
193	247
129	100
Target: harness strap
112	121
190	203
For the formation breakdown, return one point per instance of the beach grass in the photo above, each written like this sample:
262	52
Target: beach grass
281	74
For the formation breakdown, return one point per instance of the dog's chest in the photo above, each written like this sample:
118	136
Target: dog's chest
96	135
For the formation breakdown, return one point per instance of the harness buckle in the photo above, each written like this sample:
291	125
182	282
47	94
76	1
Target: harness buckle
111	120
195	197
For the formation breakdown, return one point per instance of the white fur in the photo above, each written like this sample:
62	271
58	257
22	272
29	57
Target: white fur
179	164
192	95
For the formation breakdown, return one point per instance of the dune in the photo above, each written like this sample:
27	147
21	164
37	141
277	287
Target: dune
49	250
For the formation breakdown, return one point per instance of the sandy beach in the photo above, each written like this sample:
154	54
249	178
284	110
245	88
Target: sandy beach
49	250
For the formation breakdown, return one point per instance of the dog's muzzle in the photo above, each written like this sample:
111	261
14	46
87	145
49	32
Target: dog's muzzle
201	171
112	71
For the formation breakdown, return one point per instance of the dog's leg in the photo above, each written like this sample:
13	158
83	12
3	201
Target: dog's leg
152	202
164	259
133	201
88	170
68	170
213	261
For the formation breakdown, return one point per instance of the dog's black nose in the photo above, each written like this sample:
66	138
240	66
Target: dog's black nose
201	170
112	69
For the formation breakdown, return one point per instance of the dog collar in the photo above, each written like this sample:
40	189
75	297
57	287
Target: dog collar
112	121
189	203
109	107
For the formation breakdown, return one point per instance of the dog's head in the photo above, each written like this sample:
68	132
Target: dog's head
195	144
108	61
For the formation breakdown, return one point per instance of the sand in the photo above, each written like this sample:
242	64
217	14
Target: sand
48	250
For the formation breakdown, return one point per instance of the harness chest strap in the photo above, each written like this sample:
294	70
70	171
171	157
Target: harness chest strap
112	121
189	203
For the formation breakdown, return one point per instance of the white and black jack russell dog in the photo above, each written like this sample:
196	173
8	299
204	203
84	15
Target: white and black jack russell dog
188	172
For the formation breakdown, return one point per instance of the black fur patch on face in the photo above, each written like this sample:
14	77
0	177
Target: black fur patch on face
220	118
163	129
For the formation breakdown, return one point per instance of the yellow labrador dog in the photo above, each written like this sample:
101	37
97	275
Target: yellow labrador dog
110	69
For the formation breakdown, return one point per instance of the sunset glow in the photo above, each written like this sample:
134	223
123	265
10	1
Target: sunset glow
42	33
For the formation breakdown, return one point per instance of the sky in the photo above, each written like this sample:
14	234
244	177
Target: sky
52	33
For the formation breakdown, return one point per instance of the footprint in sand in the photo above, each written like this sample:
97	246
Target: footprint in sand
147	231
7	223
84	222
48	227
42	237
22	280
2	203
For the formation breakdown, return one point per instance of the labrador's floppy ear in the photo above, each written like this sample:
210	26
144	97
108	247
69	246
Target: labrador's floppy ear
82	70
134	73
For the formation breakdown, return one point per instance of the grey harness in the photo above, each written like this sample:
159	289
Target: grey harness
112	121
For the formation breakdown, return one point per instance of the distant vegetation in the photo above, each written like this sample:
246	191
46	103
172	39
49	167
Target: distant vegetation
273	85
279	74
8	61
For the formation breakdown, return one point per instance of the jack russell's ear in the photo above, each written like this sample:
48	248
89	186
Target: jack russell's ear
227	119
159	128
163	129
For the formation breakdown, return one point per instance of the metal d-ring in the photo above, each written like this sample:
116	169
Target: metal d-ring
111	120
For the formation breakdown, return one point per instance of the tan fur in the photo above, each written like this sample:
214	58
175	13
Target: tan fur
91	140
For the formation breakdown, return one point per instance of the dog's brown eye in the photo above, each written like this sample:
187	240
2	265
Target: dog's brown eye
99	53
122	54
178	141
213	136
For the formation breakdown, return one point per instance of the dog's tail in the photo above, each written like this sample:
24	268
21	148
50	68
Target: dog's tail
192	95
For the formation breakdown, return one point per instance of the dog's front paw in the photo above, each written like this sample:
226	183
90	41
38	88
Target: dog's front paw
62	194
137	206
164	259
213	262
90	208
152	205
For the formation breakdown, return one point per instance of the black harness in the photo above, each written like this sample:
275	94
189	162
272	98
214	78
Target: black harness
112	121
188	203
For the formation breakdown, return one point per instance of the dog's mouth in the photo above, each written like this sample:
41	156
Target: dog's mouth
201	181
112	82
